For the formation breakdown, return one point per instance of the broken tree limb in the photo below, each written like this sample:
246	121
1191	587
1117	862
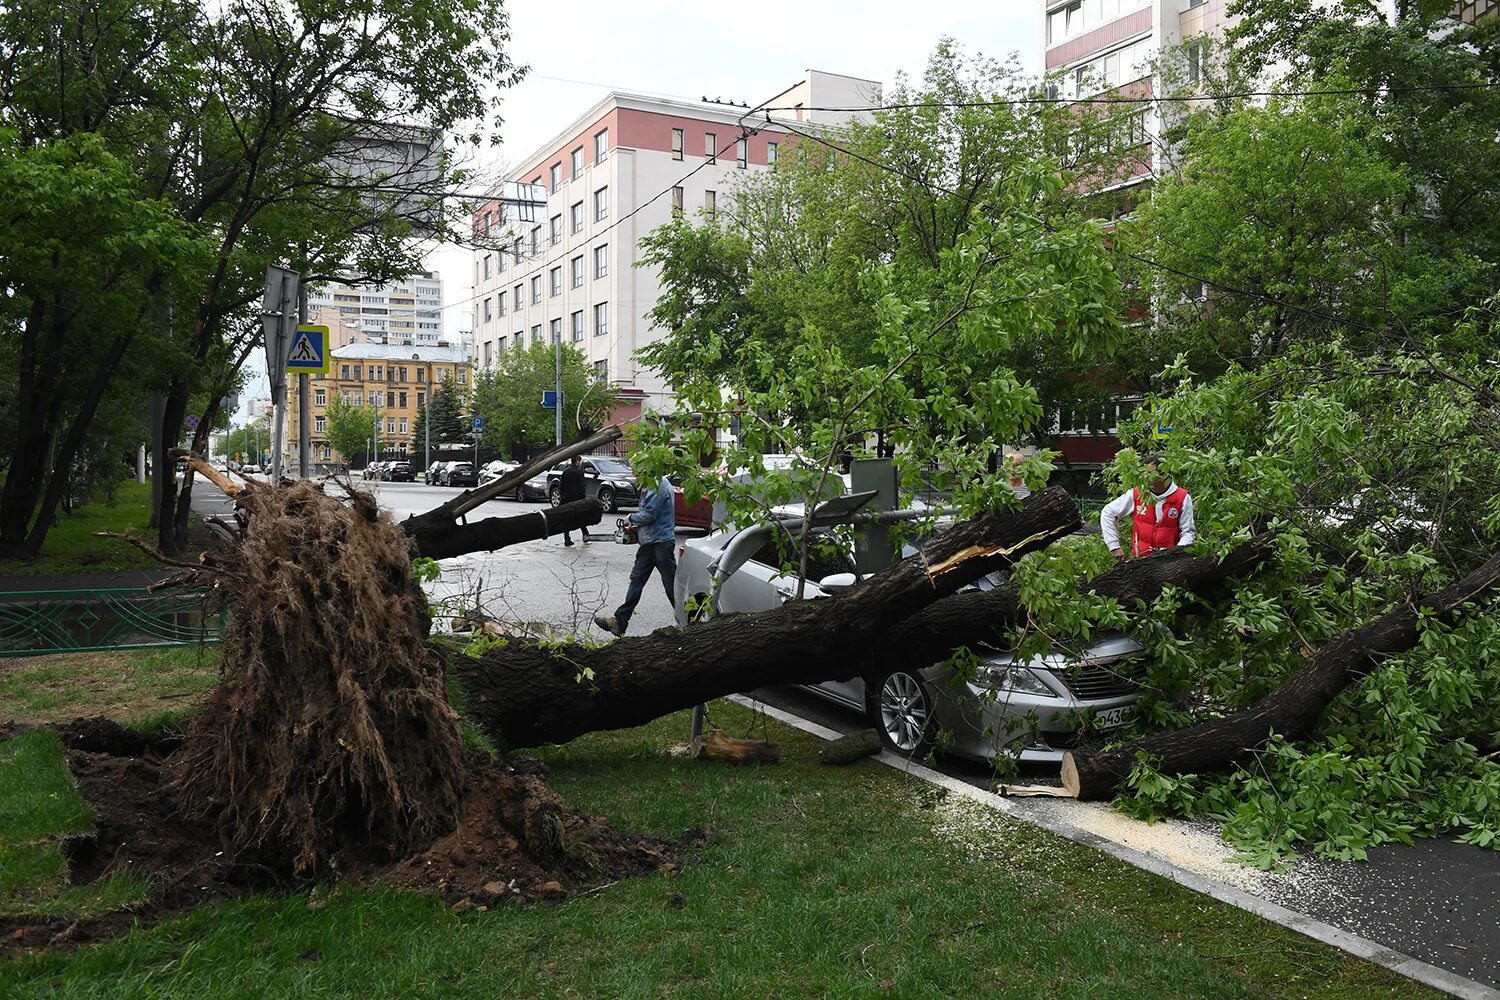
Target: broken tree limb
982	619
197	464
442	539
526	694
1291	711
714	745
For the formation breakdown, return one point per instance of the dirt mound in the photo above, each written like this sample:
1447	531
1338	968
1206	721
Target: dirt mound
515	840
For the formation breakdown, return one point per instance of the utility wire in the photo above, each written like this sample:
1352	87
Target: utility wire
1152	99
745	133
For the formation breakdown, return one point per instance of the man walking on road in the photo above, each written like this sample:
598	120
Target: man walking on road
1160	519
657	520
571	485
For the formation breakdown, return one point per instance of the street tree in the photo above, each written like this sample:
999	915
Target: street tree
349	428
509	398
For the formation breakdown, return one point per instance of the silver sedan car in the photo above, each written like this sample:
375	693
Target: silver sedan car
1035	710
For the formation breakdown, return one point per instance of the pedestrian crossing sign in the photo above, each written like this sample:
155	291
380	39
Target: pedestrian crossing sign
309	353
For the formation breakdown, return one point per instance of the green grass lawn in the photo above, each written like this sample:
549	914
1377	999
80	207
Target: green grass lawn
140	687
70	547
817	882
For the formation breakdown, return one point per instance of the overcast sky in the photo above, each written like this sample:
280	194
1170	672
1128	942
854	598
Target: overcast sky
578	51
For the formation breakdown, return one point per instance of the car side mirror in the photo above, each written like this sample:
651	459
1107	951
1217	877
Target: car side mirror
836	581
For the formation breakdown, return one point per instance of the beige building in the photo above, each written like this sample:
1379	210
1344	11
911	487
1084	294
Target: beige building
393	378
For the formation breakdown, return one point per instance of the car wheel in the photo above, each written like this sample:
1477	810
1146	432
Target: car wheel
607	499
901	710
555	495
520	495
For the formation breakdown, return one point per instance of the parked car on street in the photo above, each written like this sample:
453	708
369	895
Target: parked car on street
534	490
434	473
372	471
459	474
491	471
605	477
398	472
1035	708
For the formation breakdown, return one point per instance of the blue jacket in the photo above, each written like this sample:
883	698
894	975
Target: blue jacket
657	516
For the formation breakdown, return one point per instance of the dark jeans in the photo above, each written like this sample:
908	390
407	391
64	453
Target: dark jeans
659	556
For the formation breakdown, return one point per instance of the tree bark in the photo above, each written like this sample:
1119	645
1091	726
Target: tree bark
526	694
982	618
1292	710
445	539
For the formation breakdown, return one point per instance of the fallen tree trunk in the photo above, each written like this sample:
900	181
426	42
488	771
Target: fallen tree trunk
526	694
982	619
439	539
1292	710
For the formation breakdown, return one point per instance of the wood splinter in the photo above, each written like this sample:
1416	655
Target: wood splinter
714	745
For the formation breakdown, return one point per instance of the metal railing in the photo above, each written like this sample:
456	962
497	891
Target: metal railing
75	621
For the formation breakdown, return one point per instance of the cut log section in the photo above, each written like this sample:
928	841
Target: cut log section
1292	710
443	539
714	745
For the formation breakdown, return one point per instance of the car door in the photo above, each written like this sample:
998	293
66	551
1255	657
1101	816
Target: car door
590	480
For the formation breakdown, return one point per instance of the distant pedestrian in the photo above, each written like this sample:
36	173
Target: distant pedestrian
571	485
1161	516
657	520
1017	481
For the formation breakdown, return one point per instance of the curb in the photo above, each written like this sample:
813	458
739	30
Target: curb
1371	951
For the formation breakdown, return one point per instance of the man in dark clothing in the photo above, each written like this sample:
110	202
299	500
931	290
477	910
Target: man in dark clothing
571	485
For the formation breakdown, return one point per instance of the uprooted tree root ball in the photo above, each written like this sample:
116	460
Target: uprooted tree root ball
331	725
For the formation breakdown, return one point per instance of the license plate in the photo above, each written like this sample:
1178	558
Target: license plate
1114	718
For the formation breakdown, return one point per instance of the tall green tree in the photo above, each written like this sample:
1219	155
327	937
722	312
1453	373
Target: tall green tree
445	406
509	397
249	123
349	428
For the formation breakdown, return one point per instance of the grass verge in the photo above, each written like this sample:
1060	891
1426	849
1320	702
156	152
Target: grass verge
146	688
817	882
70	547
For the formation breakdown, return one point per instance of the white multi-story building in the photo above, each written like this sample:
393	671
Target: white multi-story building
616	172
407	312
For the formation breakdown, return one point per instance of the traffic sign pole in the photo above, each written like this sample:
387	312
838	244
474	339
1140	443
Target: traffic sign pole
304	433
557	414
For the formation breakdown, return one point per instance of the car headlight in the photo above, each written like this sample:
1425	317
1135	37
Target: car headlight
1012	677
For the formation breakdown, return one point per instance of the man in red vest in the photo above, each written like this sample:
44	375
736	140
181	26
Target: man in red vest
1160	519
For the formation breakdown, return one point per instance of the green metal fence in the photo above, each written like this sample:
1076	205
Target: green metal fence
74	621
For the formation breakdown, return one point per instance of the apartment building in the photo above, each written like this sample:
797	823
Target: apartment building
563	267
408	312
393	378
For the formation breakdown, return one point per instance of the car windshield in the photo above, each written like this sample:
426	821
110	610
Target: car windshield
611	466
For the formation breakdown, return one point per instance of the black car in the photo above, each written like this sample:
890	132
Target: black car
434	474
605	477
398	472
459	474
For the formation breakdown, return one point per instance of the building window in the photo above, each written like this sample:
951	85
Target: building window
601	261
555	285
319	425
390	426
520	297
359	373
377	399
556	230
489	357
536	289
677	201
403	374
711	146
601	145
403	400
554	177
536	239
499	306
486	266
601	204
400	425
601	370
500	263
1194	61
421	378
576	214
578	325
421	400
577	265
554	327
710	204
320	397
501	349
488	216
677	138
742	153
536	334
771	154
577	162
487	311
601	319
